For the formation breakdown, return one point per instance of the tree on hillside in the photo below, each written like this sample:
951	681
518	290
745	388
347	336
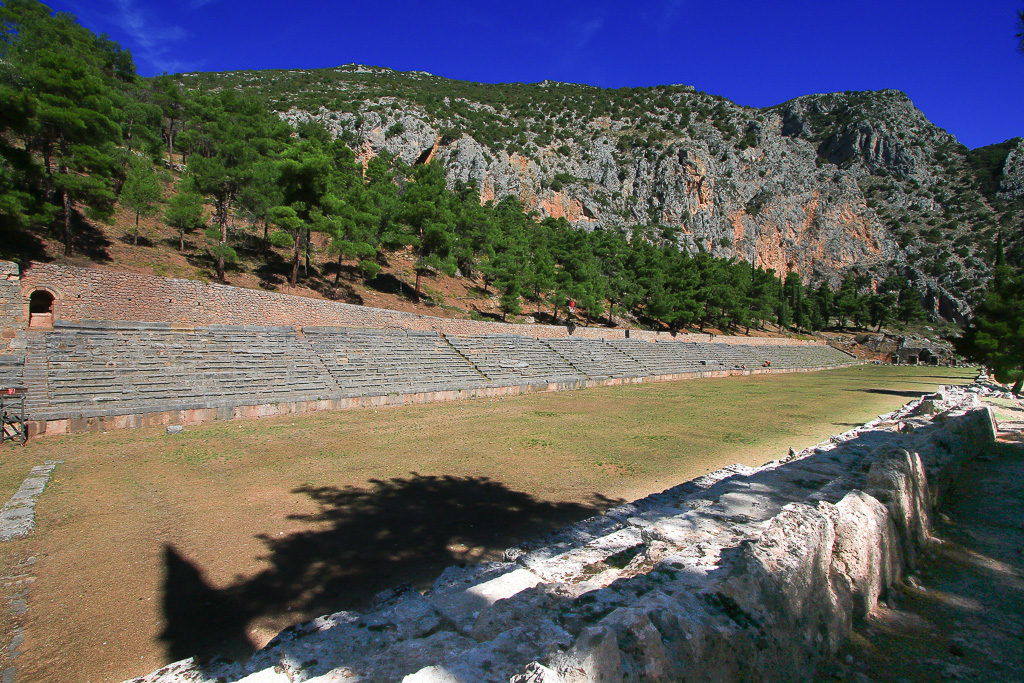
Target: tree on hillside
184	212
141	120
259	195
141	192
170	101
65	89
305	183
995	335
291	226
427	212
239	133
848	300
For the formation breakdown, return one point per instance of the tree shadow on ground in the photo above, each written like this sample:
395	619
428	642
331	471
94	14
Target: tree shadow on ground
143	241
88	240
20	244
359	542
892	392
488	315
386	283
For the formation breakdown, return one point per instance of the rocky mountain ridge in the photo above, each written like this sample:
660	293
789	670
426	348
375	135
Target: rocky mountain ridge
817	185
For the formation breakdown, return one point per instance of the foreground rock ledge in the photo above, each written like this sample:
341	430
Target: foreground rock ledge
743	574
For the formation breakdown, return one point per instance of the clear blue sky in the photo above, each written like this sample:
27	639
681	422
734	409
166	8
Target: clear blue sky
956	60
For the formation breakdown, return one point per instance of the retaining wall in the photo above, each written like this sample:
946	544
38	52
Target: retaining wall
12	310
745	574
98	294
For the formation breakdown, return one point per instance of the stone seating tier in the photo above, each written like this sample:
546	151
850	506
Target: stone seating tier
139	368
596	358
11	370
514	359
117	368
391	360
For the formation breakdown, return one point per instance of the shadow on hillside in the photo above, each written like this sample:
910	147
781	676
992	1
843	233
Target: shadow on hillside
88	240
489	315
143	241
386	283
20	245
359	542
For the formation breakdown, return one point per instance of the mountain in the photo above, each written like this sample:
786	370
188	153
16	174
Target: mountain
818	185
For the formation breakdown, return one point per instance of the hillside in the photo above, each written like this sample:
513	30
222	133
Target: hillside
660	207
817	185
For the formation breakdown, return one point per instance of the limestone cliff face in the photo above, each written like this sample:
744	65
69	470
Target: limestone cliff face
1011	187
817	185
769	203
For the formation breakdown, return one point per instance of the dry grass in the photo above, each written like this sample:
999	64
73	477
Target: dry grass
151	546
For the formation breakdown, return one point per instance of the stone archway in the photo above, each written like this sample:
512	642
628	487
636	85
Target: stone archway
40	309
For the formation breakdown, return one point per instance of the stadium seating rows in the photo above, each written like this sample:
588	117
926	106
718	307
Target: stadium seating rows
103	368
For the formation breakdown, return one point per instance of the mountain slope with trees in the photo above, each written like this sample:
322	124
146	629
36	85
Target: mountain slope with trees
662	207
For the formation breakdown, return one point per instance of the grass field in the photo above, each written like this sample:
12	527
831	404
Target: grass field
151	547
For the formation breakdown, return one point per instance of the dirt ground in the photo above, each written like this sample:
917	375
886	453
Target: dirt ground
960	615
152	547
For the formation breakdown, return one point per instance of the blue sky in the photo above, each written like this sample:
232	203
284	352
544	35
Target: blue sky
956	60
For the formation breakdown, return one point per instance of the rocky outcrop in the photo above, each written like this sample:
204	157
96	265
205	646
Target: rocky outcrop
816	185
1012	185
743	574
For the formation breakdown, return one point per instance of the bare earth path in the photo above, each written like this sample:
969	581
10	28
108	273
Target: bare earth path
152	547
961	616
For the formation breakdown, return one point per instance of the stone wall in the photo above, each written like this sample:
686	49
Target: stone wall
98	294
745	574
12	315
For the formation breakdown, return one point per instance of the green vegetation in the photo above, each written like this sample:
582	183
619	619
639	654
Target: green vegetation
995	336
82	131
63	92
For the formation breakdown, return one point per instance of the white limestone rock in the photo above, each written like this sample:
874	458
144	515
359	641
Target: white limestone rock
867	554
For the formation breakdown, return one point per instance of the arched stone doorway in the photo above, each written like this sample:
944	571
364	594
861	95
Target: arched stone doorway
40	309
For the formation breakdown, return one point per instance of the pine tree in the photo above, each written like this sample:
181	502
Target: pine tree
995	335
64	88
427	213
185	213
141	192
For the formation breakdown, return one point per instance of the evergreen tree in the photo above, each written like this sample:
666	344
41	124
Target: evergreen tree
910	309
62	90
761	296
882	308
241	132
171	103
794	292
848	301
305	181
427	213
507	270
540	279
995	335
141	192
824	303
184	212
259	195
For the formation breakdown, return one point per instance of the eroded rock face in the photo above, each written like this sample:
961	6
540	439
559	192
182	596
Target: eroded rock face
819	185
1011	187
867	553
744	574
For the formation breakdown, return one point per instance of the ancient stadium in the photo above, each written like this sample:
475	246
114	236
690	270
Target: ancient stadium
355	534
